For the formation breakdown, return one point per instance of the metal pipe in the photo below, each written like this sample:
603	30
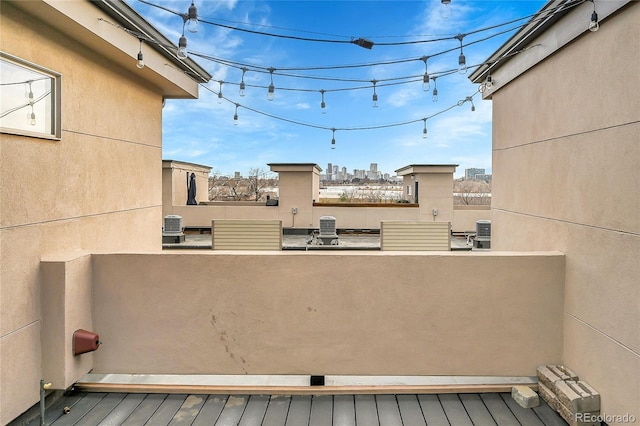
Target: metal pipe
43	386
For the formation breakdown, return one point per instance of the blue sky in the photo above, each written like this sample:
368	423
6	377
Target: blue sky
202	131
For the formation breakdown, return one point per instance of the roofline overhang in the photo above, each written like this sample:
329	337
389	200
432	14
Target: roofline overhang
126	16
98	25
538	41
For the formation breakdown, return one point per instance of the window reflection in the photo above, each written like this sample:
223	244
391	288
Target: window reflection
27	99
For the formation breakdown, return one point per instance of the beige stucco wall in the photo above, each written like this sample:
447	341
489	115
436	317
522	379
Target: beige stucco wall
363	313
465	217
98	188
346	217
569	128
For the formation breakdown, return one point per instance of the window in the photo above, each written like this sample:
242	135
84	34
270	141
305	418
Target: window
29	99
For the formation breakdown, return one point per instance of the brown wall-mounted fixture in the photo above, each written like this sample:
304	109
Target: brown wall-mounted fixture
85	341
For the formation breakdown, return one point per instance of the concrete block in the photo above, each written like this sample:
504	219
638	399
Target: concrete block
548	375
525	396
578	397
579	419
548	396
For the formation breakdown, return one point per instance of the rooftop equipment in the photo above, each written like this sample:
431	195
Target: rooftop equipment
172	231
483	234
328	234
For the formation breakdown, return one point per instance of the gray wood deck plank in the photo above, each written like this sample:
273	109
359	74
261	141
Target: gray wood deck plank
232	411
145	410
211	410
188	410
388	411
299	410
344	410
254	413
321	410
277	410
56	410
455	411
103	408
123	410
525	416
366	410
166	410
432	410
79	410
548	415
410	410
476	410
499	410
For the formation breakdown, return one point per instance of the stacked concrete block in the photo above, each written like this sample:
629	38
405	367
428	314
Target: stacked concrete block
576	401
525	396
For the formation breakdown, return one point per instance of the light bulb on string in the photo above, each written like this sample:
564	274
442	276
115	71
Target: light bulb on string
445	11
323	106
425	78
462	60
424	130
473	107
220	92
272	88
192	19
434	97
333	138
593	24
374	98
182	47
242	85
32	117
235	116
30	96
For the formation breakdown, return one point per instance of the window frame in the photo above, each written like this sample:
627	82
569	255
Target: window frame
56	99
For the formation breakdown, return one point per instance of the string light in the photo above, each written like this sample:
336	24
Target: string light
434	96
192	19
140	63
374	98
271	90
425	78
593	24
333	138
220	92
182	47
235	116
445	11
242	85
462	61
323	106
424	129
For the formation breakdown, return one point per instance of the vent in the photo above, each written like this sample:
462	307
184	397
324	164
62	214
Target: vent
328	234
172	224
483	229
483	235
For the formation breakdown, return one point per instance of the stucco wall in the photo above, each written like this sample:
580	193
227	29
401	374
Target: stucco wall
570	128
359	313
98	188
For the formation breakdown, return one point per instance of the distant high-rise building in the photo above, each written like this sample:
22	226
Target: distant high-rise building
373	167
237	175
471	173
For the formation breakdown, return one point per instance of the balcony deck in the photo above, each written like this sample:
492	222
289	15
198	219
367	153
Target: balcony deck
136	409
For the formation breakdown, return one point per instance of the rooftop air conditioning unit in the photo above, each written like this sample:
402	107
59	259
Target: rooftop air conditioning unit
483	234
328	234
172	224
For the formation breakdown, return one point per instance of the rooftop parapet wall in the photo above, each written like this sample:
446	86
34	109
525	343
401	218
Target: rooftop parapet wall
349	313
